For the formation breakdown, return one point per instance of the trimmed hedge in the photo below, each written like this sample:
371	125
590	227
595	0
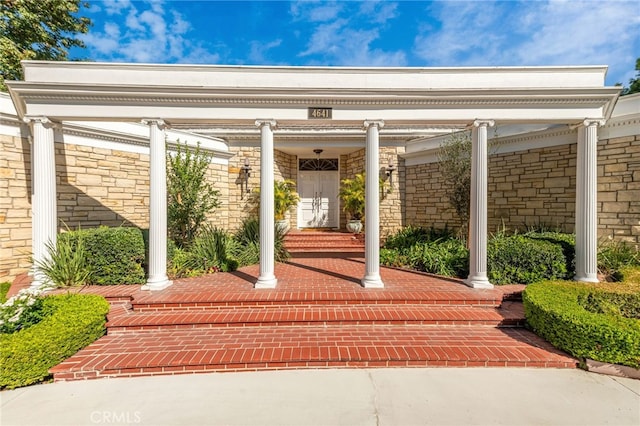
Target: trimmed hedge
4	289
71	323
523	260
555	311
115	255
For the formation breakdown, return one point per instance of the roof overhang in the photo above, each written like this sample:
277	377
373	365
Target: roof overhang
194	96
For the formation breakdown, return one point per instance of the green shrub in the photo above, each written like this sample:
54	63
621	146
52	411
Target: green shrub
68	263
71	323
566	241
247	248
212	249
182	264
4	289
115	255
191	195
392	257
518	259
613	256
411	235
441	257
554	311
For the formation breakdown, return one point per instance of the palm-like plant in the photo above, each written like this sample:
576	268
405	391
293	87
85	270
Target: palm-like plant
284	197
352	196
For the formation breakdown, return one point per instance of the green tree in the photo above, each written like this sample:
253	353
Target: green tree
38	29
191	195
634	83
455	165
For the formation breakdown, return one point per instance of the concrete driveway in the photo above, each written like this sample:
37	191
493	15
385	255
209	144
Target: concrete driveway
439	396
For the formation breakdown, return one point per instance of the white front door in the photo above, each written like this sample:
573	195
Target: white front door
318	207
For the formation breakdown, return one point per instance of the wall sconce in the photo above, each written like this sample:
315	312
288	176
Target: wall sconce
245	174
389	172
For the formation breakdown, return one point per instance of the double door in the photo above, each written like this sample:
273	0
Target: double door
319	204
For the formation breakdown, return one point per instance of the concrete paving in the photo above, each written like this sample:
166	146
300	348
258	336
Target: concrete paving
440	396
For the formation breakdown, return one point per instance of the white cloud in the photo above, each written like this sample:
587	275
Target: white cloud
349	36
532	33
258	51
150	32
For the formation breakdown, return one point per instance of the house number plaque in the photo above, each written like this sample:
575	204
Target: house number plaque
319	113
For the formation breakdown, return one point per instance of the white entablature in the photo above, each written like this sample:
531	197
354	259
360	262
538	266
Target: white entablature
216	95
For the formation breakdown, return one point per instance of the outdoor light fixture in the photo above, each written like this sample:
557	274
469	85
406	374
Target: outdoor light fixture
318	152
389	171
245	174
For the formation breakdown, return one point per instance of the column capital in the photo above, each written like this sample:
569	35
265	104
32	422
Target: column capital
588	122
40	119
377	123
484	123
157	121
260	122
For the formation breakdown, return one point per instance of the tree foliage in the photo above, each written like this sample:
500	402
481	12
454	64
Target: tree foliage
634	83
455	165
38	29
191	195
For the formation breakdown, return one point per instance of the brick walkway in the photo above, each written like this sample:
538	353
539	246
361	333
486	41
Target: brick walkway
318	317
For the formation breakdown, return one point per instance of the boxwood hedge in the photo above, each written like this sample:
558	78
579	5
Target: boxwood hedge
71	323
557	311
115	255
524	260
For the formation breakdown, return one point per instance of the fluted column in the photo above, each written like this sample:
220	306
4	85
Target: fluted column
371	208
157	279
586	202
44	215
267	278
478	217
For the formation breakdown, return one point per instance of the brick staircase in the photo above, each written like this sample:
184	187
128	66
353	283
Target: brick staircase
325	243
220	323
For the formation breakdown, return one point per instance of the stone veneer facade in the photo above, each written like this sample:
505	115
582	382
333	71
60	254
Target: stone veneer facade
95	186
538	187
110	187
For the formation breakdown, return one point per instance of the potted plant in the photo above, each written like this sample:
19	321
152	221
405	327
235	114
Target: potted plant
284	197
352	196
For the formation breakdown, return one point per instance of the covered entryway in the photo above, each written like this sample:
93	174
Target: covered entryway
318	183
248	105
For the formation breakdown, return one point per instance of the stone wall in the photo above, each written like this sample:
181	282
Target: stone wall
392	191
242	204
537	187
619	189
95	187
15	206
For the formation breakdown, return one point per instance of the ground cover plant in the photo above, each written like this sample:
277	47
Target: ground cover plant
596	321
69	322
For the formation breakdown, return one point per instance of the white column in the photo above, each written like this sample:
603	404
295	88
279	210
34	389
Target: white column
586	202
372	203
478	217
44	215
267	278
157	279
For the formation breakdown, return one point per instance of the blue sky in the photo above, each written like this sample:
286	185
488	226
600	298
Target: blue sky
368	33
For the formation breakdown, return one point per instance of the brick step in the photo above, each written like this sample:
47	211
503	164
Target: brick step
327	249
264	348
123	320
200	301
